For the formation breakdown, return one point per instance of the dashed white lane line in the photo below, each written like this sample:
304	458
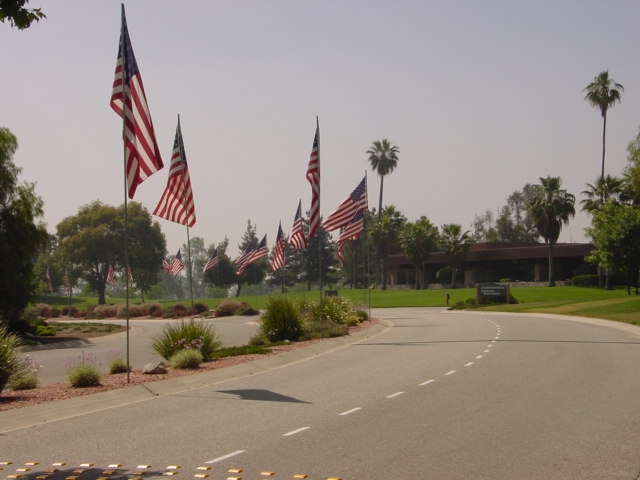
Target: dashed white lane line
348	412
479	357
468	364
426	383
393	395
293	432
449	373
224	457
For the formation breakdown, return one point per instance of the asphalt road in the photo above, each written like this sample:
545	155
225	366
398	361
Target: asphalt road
53	357
439	395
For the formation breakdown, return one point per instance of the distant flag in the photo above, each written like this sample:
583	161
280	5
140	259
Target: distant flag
313	177
166	266
177	264
129	101
241	261
47	276
67	281
350	232
111	276
278	257
346	211
130	275
298	240
176	203
212	262
256	254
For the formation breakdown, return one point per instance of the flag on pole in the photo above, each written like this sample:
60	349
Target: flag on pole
47	276
166	266
212	262
67	281
313	177
176	203
250	255
278	258
346	211
129	101
298	240
350	232
111	276
130	275
177	265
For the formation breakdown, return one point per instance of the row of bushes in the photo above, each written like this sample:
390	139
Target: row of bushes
152	309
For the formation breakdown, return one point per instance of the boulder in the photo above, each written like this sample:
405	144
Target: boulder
154	368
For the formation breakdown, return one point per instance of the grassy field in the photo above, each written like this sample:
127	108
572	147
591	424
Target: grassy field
581	301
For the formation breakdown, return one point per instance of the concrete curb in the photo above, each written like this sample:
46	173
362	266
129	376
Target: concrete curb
72	407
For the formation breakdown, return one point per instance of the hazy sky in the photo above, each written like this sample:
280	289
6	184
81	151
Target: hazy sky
480	97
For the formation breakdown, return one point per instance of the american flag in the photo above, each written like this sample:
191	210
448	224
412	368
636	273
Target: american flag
130	275
67	282
298	240
212	262
256	254
177	203
129	101
176	265
346	211
313	176
47	276
350	232
241	261
166	266
278	258
111	276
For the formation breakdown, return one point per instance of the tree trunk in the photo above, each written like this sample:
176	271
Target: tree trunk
604	134
380	198
101	296
239	288
552	281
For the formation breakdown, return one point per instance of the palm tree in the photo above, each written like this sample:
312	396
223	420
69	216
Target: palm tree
550	207
417	240
603	93
455	243
384	159
385	231
607	189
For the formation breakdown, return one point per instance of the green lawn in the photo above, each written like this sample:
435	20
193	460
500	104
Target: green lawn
582	301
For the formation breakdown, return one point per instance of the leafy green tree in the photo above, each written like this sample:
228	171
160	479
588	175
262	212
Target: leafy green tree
631	173
18	15
256	271
385	232
551	207
512	224
384	159
223	275
357	255
320	261
455	244
94	238
615	230
22	235
603	93
417	240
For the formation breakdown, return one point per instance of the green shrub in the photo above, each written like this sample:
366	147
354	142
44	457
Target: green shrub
83	371
26	375
45	331
55	312
117	363
187	358
585	281
69	310
199	308
362	315
43	310
281	320
504	280
186	335
9	355
338	310
153	309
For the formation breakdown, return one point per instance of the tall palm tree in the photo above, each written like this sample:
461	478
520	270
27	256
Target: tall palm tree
550	207
455	243
603	93
384	159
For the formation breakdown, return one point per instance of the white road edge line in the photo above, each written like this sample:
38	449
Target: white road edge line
293	432
394	394
426	383
224	457
351	411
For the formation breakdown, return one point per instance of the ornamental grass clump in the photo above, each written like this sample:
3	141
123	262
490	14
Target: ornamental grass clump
187	335
281	320
9	356
83	371
188	358
26	375
117	362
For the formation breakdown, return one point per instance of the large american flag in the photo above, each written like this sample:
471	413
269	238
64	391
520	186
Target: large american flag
298	240
176	203
313	176
350	232
111	275
241	261
255	254
278	257
176	265
347	210
129	101
212	262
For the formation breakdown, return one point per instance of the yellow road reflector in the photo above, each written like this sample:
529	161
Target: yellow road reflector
201	475
59	464
32	463
114	465
17	475
235	470
300	475
86	465
24	469
174	467
6	463
71	477
43	477
144	466
170	473
234	478
268	474
334	478
204	467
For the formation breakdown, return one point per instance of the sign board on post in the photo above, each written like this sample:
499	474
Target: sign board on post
492	293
